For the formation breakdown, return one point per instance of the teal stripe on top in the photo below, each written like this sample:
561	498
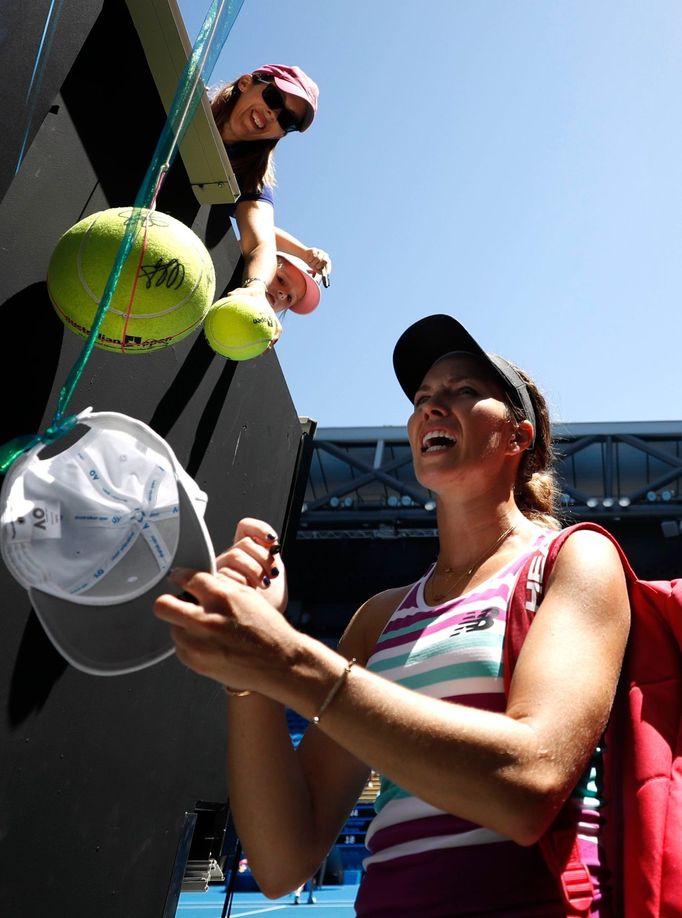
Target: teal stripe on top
468	670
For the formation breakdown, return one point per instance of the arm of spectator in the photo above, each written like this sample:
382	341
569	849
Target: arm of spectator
319	260
256	225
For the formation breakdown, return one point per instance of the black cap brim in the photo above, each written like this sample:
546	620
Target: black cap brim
431	338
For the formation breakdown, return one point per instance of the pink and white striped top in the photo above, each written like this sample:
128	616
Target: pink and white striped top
454	652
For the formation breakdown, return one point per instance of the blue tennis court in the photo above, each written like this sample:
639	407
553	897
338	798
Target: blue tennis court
331	902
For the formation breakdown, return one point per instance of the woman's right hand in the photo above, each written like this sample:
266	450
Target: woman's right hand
254	559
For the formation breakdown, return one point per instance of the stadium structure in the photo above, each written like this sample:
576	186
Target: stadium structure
367	524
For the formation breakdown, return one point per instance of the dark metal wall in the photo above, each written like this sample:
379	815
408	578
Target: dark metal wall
96	774
34	67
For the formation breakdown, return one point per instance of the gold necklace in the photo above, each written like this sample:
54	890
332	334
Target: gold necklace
465	574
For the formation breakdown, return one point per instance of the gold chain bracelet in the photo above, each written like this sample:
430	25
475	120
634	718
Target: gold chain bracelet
237	693
334	691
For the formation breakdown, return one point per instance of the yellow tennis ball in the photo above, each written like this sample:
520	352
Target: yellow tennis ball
240	329
166	284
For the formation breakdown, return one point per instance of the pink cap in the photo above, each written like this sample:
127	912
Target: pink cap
311	298
298	83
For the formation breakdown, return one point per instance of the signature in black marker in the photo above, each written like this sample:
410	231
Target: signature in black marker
168	274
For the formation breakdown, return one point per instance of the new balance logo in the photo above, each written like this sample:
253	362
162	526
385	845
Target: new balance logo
534	581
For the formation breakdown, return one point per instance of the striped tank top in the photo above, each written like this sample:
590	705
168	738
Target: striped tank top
453	652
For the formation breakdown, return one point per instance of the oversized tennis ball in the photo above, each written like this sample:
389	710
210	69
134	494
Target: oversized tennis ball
240	329
165	286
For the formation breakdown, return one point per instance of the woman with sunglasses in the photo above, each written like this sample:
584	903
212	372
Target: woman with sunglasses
252	114
471	777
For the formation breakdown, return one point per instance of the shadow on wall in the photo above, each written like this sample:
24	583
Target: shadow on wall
37	668
33	331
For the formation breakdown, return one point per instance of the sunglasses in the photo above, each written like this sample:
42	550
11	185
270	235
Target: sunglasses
274	100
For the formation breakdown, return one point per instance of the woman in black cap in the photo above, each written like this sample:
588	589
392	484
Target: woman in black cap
252	114
471	776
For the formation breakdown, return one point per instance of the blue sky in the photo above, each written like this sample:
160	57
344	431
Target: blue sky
516	163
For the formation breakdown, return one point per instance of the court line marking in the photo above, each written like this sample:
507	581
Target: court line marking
262	911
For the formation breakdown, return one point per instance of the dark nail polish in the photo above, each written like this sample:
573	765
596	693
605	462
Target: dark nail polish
274	572
270	537
266	581
275	549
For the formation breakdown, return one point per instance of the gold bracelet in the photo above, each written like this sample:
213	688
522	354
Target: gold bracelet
334	691
237	693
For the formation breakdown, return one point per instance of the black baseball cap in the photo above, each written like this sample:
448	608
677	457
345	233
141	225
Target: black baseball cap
433	337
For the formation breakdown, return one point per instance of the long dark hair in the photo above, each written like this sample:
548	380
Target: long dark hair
252	161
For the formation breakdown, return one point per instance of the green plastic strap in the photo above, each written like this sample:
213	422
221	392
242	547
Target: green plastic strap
216	27
20	445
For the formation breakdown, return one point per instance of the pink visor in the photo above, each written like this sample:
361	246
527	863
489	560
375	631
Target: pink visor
311	298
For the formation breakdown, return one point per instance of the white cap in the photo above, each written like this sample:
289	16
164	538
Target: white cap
92	532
